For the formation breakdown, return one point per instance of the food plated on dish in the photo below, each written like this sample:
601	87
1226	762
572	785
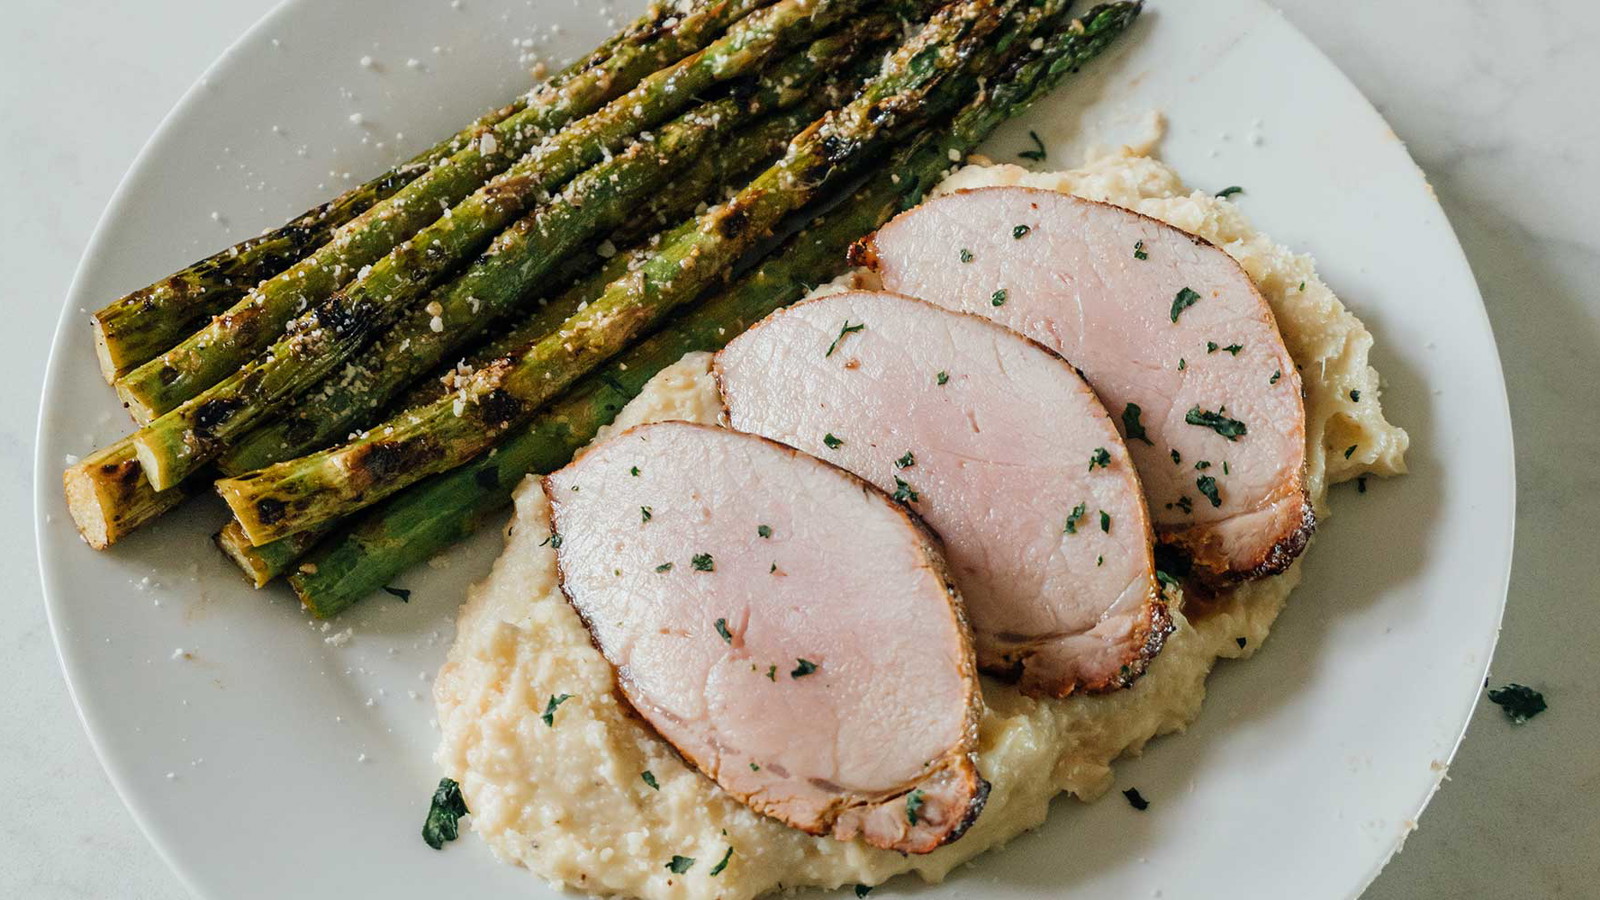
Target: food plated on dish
1068	429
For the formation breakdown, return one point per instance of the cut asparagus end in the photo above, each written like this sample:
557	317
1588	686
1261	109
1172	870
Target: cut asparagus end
108	497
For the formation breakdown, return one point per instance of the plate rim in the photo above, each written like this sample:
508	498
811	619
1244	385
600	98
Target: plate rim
46	474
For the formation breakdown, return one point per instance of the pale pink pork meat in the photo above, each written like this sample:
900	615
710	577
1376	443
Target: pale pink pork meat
1002	449
790	630
1174	338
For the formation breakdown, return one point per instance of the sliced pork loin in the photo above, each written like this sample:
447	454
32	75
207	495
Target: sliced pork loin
1002	449
788	628
1176	340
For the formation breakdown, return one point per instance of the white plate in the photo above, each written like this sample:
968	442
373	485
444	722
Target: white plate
274	764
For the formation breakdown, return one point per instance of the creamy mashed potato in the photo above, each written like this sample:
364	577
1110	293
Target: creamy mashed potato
570	800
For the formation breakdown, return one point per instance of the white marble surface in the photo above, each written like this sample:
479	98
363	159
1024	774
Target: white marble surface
1498	102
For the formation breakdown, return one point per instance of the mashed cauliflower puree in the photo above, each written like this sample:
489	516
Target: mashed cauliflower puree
570	800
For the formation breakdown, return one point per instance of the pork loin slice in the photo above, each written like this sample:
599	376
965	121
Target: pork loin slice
1176	340
1002	449
788	628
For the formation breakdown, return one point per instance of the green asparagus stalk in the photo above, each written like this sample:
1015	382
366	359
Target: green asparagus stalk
423	520
254	323
127	498
152	320
368	551
263	564
181	441
526	253
267	562
303	493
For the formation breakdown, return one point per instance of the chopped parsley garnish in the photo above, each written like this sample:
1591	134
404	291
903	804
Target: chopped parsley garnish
831	442
1519	702
1232	429
1277	374
1105	521
1361	485
764	531
1182	364
1212	347
943	378
802	668
556	700
1185	504
649	778
754	767
903	492
772	675
634	471
681	864
1131	425
1302	287
1100	457
1139	252
966	255
1073	518
1037	154
722	629
645	514
1233	349
1241	642
664	567
444	814
998	298
1225	468
1167	581
1349	450
1020	232
1208	486
723	864
1136	799
1227	192
402	593
1185	299
702	562
1355	396
906	462
554	540
1177	458
1203	464
1099	560
848	329
862	890
914	801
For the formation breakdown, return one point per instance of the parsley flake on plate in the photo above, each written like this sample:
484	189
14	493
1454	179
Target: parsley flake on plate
1519	702
444	814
